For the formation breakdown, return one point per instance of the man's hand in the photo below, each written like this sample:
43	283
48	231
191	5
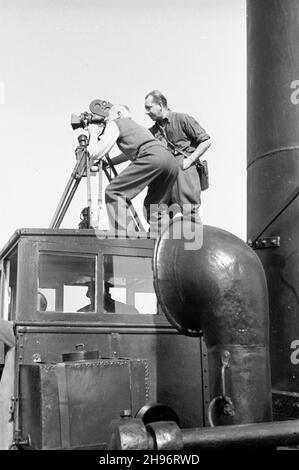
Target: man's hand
195	156
94	129
93	149
98	148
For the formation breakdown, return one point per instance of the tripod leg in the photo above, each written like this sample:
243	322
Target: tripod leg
74	177
66	204
88	185
100	190
135	217
110	163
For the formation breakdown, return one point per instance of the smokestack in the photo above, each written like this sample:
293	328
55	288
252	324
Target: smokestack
273	177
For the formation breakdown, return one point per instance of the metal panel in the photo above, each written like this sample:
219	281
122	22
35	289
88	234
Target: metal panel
47	347
205	380
79	416
174	362
174	371
27	280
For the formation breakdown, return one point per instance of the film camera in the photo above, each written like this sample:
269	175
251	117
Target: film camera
99	110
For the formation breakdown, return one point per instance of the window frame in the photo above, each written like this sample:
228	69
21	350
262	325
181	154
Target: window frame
8	306
130	255
72	254
28	281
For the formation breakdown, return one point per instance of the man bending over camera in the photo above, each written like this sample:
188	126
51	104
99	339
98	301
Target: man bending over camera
151	166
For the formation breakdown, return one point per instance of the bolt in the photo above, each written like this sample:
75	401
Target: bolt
36	357
125	414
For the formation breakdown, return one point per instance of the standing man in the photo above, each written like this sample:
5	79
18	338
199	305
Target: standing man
180	132
152	166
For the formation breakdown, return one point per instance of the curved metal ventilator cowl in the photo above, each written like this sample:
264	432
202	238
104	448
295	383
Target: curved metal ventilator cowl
220	290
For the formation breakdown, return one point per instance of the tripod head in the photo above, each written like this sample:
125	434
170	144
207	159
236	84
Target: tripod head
99	112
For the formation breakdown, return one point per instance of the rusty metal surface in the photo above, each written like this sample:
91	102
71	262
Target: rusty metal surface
221	290
273	171
96	392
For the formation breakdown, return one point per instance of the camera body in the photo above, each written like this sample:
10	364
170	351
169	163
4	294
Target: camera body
83	119
99	110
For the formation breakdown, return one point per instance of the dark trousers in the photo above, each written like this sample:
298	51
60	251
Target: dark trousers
155	168
186	191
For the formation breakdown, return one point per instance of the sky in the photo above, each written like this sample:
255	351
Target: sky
56	56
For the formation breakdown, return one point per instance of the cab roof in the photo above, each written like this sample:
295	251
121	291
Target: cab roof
80	233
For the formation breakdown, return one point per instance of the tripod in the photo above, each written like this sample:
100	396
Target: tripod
84	168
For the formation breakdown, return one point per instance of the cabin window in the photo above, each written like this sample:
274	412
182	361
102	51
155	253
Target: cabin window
128	285
8	282
66	283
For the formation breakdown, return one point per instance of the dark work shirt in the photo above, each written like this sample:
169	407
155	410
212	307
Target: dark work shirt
182	130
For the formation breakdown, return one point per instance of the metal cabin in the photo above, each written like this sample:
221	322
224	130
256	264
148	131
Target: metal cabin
81	293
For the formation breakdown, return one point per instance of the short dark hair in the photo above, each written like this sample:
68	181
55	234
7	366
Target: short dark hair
158	97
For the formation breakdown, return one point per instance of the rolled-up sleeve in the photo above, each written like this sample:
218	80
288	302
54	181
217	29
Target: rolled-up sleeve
194	130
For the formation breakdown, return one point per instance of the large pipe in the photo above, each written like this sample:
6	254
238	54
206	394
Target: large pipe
221	290
283	433
132	434
273	176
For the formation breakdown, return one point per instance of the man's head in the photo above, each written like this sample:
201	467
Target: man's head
156	105
118	111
